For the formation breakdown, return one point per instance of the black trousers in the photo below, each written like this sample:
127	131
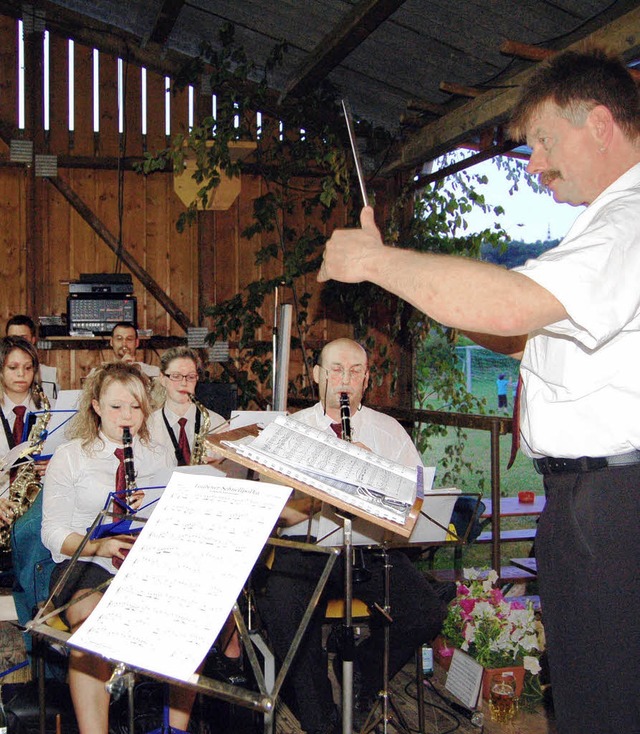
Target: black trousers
416	610
588	561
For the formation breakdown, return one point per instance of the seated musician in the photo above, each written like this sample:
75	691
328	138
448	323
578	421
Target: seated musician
180	369
179	421
24	326
416	610
124	342
80	476
19	396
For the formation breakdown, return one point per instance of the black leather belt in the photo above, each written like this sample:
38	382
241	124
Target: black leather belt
553	465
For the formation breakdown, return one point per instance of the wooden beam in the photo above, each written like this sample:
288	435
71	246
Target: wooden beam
165	21
460	90
122	253
421	105
621	36
536	53
338	43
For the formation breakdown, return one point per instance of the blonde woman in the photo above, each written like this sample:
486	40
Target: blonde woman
80	476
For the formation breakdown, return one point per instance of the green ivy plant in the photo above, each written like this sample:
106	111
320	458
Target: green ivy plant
303	157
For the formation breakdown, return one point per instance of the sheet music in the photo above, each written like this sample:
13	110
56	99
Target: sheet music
368	481
169	601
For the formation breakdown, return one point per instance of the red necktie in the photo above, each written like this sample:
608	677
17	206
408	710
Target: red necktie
121	483
18	425
183	443
515	425
337	429
18	428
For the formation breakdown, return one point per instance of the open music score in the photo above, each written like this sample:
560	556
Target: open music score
346	476
167	604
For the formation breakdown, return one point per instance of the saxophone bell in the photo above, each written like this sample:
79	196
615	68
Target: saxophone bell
199	442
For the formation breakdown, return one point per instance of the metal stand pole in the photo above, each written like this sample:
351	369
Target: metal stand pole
347	630
385	702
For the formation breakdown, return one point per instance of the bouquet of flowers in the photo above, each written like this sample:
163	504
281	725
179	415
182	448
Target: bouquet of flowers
486	625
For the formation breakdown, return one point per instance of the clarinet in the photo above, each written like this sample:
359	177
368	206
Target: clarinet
345	416
129	467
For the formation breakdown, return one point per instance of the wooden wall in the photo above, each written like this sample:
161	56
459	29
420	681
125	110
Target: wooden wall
45	243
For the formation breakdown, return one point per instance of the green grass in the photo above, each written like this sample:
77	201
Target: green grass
476	451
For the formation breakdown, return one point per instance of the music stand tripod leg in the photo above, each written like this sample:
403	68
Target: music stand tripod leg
385	701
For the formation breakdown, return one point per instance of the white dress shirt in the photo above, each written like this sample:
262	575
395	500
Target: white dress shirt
581	394
77	484
7	408
160	435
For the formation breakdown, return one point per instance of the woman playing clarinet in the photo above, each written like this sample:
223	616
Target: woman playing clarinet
78	481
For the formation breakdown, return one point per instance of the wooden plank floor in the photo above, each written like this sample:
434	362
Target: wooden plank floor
438	717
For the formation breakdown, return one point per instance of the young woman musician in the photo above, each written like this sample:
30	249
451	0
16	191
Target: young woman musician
80	477
178	423
179	372
18	396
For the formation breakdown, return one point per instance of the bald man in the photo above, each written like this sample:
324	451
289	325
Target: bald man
416	610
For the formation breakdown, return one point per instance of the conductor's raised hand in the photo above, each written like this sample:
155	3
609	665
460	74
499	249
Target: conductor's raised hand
349	254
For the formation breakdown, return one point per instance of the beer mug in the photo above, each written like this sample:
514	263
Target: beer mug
503	703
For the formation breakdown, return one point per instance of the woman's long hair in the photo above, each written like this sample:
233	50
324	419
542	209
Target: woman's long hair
7	345
86	423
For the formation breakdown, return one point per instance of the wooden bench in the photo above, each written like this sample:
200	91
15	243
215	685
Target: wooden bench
527	564
508	574
508	536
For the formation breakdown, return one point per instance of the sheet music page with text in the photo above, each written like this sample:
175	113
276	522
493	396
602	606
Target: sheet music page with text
325	461
167	604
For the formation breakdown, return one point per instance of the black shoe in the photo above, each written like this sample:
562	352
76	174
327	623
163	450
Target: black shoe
227	670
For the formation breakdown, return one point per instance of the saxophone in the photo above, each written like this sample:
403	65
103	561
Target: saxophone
199	442
27	483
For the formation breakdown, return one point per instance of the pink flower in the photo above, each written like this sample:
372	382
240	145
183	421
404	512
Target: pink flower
517	605
467	606
463	590
496	596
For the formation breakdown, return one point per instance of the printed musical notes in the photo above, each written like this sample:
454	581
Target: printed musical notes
170	599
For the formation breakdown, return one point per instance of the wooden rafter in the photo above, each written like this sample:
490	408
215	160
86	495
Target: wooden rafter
341	40
165	21
537	53
621	36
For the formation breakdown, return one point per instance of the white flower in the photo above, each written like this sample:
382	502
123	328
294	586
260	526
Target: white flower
489	582
531	664
471	573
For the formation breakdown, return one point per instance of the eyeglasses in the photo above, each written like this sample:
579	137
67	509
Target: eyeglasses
338	372
177	377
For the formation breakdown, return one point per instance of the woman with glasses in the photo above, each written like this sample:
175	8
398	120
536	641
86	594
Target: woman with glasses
176	424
